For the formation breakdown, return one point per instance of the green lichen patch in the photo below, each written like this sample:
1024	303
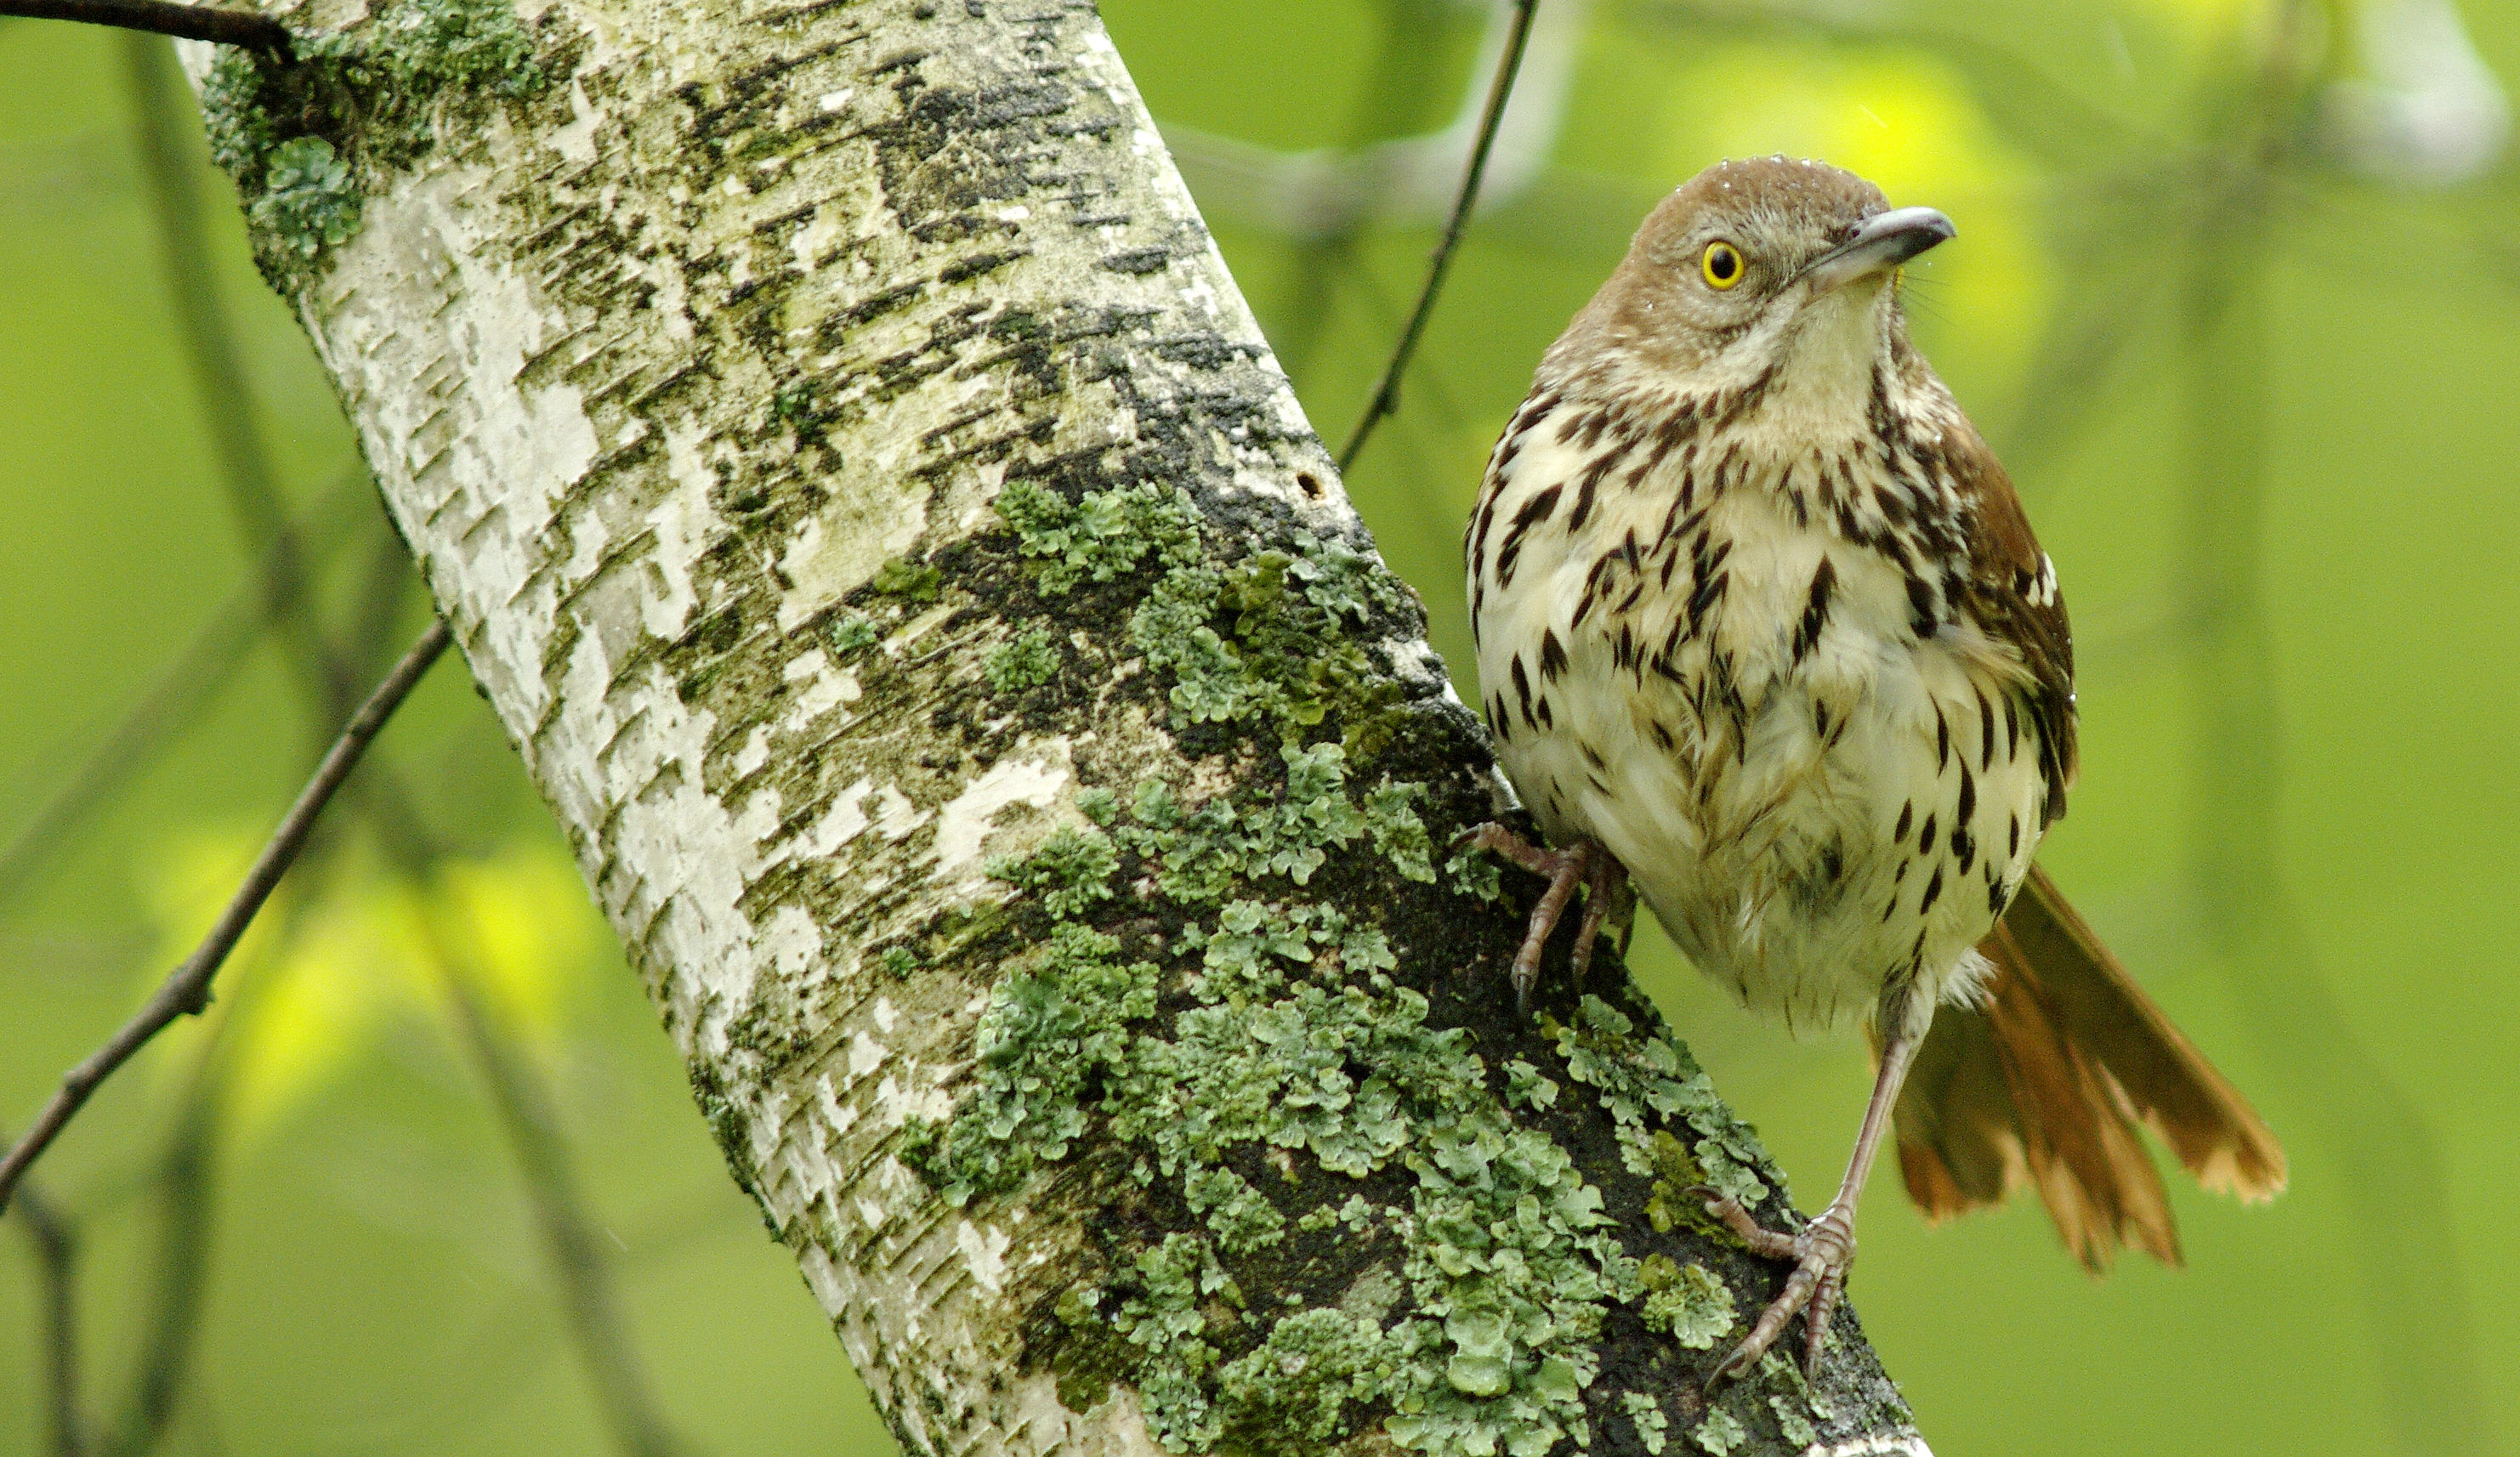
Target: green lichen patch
1792	1424
1293	1038
910	580
1286	1095
1027	660
1053	1030
1649	1075
1652	1427
1200	855
309	139
1242	1216
1306	1380
1101	536
309	200
1475	874
1675	1171
854	633
1283	638
1513	1257
1686	1302
1069	871
1399	835
1525	1087
1720	1432
1318	1064
1169	1319
1266	639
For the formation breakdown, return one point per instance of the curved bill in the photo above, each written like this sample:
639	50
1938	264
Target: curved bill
1881	243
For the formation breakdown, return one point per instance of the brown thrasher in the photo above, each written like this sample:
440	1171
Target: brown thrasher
1762	629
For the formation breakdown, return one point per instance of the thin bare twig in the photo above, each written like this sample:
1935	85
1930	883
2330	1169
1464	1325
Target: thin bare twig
1320	257
186	989
1386	395
57	1256
203	666
230	28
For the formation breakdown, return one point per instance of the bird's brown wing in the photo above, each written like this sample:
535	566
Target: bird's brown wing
2045	1084
2011	594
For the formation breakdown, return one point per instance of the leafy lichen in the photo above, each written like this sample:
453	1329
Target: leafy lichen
309	139
1168	1320
1265	1028
1647	1415
1204	851
1070	870
1024	661
1055	1026
1686	1302
1525	1087
1721	1433
308	201
1791	1422
1399	835
1297	1039
855	633
1475	874
1101	536
1513	1257
1640	1077
1240	1216
1304	1379
911	581
1283	655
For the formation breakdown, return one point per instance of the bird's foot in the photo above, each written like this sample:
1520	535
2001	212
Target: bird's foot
1583	864
1821	1253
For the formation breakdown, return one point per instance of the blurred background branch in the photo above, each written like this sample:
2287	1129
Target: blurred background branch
1500	100
185	992
56	1246
1327	193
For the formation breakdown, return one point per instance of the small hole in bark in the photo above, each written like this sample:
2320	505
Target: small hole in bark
1311	483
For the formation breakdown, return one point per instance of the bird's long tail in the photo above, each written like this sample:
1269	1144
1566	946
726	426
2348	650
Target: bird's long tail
2046	1082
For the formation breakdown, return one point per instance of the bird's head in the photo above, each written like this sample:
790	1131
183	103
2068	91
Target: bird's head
1771	275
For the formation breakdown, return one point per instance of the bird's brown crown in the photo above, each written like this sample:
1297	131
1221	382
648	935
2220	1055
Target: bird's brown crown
1784	210
1719	280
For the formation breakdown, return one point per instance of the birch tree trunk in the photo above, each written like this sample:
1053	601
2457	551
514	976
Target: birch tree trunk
884	534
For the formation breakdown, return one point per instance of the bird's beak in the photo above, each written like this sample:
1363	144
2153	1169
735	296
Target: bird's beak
1880	243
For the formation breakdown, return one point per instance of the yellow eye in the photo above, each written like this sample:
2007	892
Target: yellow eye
1721	265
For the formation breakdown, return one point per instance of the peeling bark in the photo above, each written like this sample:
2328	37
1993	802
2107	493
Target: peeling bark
879	526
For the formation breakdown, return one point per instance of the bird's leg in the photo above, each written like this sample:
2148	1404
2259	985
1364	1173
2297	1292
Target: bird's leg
1824	1249
1581	863
1605	890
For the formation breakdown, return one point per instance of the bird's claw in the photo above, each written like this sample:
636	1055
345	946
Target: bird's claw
1584	863
1821	1252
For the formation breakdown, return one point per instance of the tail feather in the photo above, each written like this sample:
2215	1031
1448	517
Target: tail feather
2046	1082
2172	1088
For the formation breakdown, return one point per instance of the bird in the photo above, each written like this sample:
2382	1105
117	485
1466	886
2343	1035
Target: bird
1765	640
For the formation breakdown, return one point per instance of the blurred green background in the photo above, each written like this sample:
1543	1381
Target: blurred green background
2237	293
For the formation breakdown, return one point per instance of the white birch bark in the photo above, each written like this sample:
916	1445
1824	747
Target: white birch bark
693	378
